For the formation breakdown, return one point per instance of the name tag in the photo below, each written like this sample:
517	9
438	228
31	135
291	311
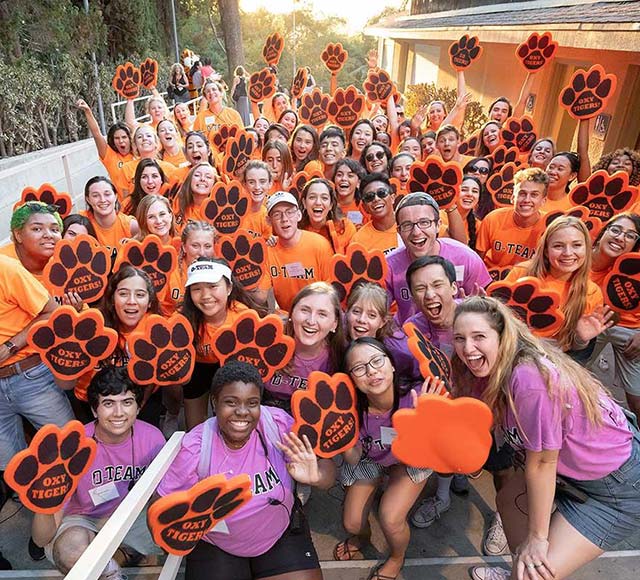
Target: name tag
104	493
355	217
387	435
460	273
294	269
221	528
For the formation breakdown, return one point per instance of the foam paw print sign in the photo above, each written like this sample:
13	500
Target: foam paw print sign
537	51
345	107
80	265
378	86
537	306
503	155
262	85
151	255
622	284
326	413
48	194
519	133
47	473
356	266
149	73
334	56
227	204
433	362
126	81
221	136
314	108
161	351
605	195
237	153
438	178
594	225
300	180
500	185
499	273
469	145
273	47
179	520
259	342
299	83
170	189
246	256
464	51
446	435
588	92
72	342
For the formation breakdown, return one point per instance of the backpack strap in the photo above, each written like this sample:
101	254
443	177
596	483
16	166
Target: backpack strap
204	463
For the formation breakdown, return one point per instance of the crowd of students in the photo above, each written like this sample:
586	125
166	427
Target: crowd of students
559	438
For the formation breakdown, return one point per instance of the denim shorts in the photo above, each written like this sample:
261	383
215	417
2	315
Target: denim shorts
611	512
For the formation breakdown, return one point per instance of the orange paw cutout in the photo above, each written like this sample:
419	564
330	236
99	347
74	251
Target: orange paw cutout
537	51
162	351
398	188
179	521
246	256
47	193
356	266
227	204
299	83
71	342
149	73
126	81
464	52
326	413
47	473
80	265
469	146
170	189
218	138
605	195
314	108
582	213
503	155
588	92
536	305
300	180
438	178
433	362
498	273
446	435
519	133
622	284
262	85
151	255
378	86
260	342
334	56
345	107
273	47
239	149
500	185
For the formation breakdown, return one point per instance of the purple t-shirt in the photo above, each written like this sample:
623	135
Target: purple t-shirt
470	270
283	384
257	525
114	467
586	452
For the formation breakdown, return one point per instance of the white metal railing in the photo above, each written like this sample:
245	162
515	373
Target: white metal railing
193	106
95	558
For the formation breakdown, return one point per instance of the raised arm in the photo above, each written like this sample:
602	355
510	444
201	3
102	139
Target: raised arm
583	150
130	115
92	123
518	110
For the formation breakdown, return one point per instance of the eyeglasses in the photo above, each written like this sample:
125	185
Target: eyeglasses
616	231
280	215
377	362
371	195
480	170
39	207
423	224
377	155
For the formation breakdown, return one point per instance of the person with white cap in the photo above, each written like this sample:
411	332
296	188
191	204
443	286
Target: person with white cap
298	257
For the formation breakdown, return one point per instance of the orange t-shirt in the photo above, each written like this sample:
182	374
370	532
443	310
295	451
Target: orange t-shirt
553	205
110	237
504	243
314	165
373	239
204	353
627	319
22	298
338	235
114	162
294	268
124	183
256	223
177	160
207	122
354	214
173	292
191	213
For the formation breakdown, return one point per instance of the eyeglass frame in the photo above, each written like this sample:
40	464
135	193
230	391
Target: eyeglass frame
369	364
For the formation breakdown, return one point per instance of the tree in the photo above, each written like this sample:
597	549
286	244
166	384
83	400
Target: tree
232	30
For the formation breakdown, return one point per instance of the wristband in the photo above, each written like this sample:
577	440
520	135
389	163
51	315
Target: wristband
13	349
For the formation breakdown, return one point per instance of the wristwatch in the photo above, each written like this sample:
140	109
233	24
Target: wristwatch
13	349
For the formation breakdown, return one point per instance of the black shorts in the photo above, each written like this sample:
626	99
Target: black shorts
499	459
200	382
293	552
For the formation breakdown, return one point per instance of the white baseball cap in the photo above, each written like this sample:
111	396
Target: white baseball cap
209	272
281	197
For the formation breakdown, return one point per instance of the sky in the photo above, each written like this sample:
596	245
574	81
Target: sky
356	12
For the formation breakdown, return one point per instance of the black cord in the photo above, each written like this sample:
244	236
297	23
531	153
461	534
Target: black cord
13	514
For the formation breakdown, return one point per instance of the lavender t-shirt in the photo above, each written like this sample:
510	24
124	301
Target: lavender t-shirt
114	465
257	525
586	452
470	270
284	383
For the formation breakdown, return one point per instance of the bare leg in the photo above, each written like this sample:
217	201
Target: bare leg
634	404
355	513
172	399
69	546
298	575
511	502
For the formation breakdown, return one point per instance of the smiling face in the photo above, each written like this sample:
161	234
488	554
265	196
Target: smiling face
427	146
436	115
469	195
346	181
116	415
376	160
363	319
480	169
261	125
380	123
613	242
374	381
313	318
499	112
213	94
289	121
361	136
237	407
131	301
419	242
528	199
167	134
202	181
302	144
122	142
150	180
196	150
566	251
491	136
317	203
211	299
199	244
181	113
284	218
476	343
378	208
412	146
101	199
145	140
620	163
541	154
433	294
331	150
156	110
273	159
279	105
559	172
159	219
257	182
400	168
39	236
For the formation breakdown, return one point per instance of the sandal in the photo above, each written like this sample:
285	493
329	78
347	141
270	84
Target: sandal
376	575
349	551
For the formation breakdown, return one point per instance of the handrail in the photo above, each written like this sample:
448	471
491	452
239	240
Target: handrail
192	106
95	558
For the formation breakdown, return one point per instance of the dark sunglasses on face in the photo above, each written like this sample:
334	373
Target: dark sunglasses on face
480	170
377	155
371	195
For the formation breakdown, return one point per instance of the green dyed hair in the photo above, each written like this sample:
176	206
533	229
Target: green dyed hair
26	210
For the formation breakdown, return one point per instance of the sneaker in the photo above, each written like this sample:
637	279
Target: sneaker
112	572
489	573
495	542
169	425
35	552
4	563
429	511
460	484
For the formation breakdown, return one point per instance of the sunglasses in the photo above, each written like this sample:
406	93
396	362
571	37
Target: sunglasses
37	207
377	155
480	170
371	195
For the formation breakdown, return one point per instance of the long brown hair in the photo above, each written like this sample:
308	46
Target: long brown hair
185	195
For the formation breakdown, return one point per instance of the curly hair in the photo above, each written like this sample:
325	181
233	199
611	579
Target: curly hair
605	160
235	371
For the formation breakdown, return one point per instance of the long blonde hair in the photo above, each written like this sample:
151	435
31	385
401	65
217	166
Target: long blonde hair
376	296
574	306
518	345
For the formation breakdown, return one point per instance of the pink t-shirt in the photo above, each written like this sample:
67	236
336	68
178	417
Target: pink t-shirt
283	384
585	452
114	467
258	525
